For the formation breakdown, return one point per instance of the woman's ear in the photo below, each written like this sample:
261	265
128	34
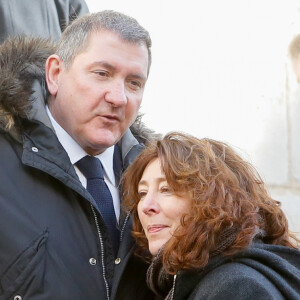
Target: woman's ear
52	68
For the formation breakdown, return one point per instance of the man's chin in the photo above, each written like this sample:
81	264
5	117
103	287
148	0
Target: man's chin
98	146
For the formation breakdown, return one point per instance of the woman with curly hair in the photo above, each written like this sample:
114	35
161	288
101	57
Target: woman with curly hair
211	228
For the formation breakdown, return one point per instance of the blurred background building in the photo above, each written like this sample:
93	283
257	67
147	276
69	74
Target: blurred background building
220	70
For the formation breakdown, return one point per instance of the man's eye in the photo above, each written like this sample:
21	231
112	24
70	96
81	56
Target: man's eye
102	73
135	84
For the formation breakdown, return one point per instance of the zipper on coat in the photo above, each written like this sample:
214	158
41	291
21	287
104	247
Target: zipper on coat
102	252
173	288
123	227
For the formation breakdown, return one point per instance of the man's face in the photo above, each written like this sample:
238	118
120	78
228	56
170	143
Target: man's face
99	96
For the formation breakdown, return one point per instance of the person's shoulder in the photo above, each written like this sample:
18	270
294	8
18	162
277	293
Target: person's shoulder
235	281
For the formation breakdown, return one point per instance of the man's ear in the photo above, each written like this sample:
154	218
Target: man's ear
53	67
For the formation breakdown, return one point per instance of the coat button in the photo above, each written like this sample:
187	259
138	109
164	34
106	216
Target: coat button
17	297
34	149
93	261
117	260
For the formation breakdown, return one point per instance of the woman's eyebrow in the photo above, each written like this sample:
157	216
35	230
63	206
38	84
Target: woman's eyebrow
158	179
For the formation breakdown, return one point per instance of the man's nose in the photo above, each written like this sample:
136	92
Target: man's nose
150	204
116	94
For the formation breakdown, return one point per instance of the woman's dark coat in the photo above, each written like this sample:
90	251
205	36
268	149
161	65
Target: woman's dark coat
261	272
53	244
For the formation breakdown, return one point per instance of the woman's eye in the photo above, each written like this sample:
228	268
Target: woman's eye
165	189
142	194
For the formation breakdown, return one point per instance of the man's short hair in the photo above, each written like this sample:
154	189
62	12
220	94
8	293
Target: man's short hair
74	39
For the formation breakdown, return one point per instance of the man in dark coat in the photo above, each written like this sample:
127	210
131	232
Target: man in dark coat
38	18
54	243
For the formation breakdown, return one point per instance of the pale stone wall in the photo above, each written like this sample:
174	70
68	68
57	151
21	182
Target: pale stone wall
288	189
220	70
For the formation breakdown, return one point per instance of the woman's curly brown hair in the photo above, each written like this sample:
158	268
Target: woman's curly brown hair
228	197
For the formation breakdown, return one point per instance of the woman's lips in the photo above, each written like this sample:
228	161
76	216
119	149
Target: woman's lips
156	228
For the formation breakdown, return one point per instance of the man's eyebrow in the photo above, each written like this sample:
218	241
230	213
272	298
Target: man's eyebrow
103	64
139	76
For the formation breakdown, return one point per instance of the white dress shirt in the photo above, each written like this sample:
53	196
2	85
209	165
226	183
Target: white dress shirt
75	153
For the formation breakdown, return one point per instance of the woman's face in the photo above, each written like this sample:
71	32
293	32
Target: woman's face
159	209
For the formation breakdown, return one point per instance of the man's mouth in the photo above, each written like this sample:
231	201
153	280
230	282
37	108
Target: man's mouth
111	117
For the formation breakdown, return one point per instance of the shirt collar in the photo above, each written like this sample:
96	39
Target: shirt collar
107	160
75	151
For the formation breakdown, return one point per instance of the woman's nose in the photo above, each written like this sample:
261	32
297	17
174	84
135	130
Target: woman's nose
150	204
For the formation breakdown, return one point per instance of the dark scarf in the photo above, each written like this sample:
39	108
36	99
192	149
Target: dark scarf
162	283
158	280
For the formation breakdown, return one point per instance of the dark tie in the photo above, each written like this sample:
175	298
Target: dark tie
92	169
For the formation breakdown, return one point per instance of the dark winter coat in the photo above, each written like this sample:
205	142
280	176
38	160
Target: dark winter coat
43	18
261	272
53	244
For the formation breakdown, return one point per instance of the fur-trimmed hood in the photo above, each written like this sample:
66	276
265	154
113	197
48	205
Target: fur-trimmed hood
23	88
22	62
